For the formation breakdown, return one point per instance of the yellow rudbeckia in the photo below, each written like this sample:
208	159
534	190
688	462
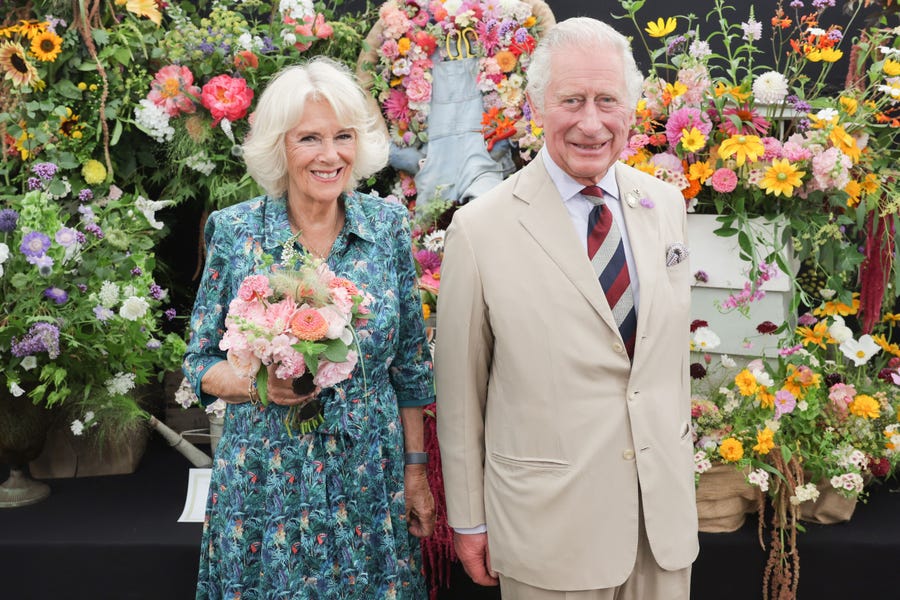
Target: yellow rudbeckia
891	68
661	27
781	178
743	148
692	140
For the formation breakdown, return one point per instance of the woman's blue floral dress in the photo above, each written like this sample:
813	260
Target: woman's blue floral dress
320	515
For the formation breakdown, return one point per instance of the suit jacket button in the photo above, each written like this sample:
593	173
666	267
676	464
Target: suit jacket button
628	454
617	347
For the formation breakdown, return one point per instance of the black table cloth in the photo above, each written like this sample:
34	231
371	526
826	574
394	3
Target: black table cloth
118	538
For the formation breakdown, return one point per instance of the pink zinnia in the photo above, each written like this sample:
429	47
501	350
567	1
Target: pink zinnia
772	148
173	90
724	180
226	97
841	395
751	123
390	50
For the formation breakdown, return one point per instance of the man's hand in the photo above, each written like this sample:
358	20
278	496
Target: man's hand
472	550
419	501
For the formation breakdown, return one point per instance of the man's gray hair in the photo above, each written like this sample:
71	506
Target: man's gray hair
581	32
281	106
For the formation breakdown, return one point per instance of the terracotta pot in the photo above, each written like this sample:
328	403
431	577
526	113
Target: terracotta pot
724	498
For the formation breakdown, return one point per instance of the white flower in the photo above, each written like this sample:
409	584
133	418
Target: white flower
763	378
827	114
15	389
434	241
120	384
217	408
839	330
288	38
29	362
148	208
804	493
185	396
860	351
109	294
702	464
134	308
200	162
4	253
77	427
727	361
752	30
802	405
296	9
89	416
700	49
889	51
770	88
451	6
704	339
759	478
153	120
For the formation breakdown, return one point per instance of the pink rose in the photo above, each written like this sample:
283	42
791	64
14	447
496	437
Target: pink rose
418	90
331	373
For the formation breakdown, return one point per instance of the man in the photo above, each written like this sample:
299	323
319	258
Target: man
564	424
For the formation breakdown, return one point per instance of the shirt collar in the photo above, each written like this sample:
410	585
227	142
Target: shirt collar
568	187
277	227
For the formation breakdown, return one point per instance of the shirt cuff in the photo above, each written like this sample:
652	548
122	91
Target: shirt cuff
471	530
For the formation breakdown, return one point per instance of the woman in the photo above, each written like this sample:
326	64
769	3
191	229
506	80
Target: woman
322	515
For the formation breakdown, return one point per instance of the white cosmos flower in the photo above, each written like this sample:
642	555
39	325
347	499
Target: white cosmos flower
860	351
839	330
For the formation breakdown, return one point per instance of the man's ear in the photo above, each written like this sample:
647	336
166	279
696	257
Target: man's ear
536	115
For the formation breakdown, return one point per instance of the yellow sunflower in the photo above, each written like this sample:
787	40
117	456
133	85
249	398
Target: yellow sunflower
69	125
15	66
32	28
46	46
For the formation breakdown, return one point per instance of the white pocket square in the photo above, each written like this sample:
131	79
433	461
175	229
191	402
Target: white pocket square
675	253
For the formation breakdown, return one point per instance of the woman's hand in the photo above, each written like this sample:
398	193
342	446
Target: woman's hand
419	501
281	391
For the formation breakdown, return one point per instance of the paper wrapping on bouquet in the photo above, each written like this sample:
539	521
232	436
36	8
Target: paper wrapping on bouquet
830	508
66	455
724	498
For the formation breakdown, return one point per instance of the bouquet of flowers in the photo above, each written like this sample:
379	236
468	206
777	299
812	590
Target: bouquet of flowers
302	318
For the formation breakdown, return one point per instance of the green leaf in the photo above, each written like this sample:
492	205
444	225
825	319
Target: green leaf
262	380
336	351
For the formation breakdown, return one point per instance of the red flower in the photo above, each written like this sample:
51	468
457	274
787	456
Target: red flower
226	97
524	47
697	324
245	59
425	41
879	467
766	327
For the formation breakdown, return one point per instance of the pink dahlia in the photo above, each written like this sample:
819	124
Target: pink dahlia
173	90
226	97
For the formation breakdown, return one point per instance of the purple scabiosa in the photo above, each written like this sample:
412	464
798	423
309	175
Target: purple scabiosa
56	294
34	183
35	244
103	314
698	371
766	327
156	292
136	271
85	195
171	313
66	237
8	220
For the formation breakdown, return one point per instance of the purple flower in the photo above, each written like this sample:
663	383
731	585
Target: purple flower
820	4
156	292
807	320
154	344
8	220
796	4
136	271
35	244
102	313
56	294
43	263
701	277
95	229
647	203
81	287
42	337
34	183
44	170
66	236
170	313
85	195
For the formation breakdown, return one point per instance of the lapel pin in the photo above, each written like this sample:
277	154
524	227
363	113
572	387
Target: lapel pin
632	198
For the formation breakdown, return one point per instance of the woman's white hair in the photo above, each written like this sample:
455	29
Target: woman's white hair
281	106
582	32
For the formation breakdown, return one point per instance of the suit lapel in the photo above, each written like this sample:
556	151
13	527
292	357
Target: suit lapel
547	221
646	245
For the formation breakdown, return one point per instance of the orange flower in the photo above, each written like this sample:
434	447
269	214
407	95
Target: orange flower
506	60
309	325
691	190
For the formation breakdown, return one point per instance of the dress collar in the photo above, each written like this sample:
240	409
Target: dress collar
277	227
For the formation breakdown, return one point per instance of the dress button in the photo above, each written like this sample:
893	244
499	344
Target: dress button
628	454
617	347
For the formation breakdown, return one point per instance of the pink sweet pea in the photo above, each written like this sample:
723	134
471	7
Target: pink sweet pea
226	97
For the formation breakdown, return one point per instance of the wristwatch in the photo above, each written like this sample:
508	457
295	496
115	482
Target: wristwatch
415	458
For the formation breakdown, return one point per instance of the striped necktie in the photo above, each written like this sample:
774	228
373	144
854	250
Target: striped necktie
607	254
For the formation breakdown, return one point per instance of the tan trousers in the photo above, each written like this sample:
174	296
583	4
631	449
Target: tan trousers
648	581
